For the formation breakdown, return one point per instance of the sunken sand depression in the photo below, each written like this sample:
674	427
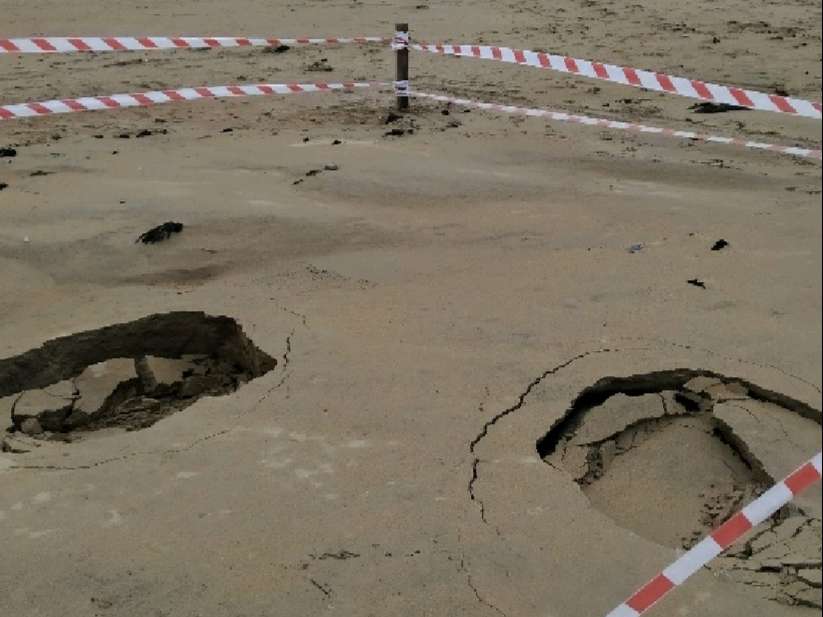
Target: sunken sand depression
454	371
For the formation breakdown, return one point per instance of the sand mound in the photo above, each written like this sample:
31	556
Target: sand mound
125	376
672	455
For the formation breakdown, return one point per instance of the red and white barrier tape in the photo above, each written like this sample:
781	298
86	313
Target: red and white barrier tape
561	116
65	44
157	97
660	82
721	538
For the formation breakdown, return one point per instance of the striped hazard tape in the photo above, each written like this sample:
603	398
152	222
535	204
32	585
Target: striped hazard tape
561	116
66	44
660	82
157	97
720	539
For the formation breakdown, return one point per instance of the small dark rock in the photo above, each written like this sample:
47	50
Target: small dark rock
709	107
321	66
40	172
392	117
395	133
720	245
7	153
123	136
331	167
3	185
697	283
313	172
340	555
277	50
159	233
336	142
147	132
227	130
298	181
781	92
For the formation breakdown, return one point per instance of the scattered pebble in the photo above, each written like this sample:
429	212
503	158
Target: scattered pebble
160	233
720	245
8	153
709	107
697	283
147	132
321	66
331	167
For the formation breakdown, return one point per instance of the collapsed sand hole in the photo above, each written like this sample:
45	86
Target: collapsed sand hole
127	375
671	455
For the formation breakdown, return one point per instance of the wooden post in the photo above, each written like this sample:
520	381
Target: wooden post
402	73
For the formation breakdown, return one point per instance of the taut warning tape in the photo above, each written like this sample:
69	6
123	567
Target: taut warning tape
721	538
622	126
65	44
157	97
639	78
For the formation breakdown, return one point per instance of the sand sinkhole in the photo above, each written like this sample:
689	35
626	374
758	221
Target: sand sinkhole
671	455
128	375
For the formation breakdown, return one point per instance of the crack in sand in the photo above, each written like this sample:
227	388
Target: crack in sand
125	457
521	400
464	570
284	372
480	598
324	589
725	357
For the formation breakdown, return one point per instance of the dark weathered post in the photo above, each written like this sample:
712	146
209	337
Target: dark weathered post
402	74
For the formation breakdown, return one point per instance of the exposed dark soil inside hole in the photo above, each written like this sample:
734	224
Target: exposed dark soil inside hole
124	376
671	455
